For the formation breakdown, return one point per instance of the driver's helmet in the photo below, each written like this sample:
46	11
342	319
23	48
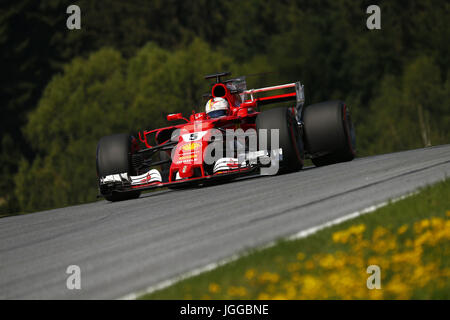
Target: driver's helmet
216	107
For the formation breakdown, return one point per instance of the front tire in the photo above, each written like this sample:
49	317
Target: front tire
114	157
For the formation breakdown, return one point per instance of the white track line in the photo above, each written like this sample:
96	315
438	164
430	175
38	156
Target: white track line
302	234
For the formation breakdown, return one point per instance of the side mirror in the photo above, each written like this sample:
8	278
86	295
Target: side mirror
174	116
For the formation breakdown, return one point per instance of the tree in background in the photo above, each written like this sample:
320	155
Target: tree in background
88	98
410	111
26	66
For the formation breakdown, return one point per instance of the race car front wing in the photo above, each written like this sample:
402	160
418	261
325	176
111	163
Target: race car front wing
232	167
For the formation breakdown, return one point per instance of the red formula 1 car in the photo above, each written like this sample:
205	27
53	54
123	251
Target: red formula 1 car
241	140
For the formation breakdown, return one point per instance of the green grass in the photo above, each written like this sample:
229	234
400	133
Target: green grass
408	239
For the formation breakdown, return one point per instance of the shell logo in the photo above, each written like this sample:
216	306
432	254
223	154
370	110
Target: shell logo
191	146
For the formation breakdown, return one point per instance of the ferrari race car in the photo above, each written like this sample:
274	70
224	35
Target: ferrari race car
242	140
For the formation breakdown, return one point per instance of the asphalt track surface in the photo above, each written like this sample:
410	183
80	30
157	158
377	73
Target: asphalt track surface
126	246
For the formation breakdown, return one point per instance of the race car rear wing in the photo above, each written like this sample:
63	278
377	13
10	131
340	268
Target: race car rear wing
298	95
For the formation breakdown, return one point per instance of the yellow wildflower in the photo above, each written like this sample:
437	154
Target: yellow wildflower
250	274
375	294
300	256
379	233
279	297
263	296
269	277
327	262
237	291
398	288
311	286
402	229
292	267
309	265
213	287
345	235
421	225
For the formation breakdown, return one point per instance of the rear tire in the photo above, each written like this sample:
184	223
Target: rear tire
114	157
329	133
290	136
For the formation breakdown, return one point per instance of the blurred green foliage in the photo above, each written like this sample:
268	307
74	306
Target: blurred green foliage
133	62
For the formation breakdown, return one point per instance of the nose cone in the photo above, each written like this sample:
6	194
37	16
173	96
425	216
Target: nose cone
186	171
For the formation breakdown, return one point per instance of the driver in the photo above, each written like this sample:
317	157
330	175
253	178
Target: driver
217	107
